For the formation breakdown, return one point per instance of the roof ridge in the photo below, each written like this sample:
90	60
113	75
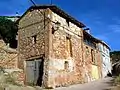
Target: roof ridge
57	10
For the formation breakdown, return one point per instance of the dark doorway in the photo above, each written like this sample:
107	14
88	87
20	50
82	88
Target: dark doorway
40	77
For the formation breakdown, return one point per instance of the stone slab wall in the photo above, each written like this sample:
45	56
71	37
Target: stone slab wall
9	62
8	56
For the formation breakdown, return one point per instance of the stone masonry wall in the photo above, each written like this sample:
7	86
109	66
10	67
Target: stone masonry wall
9	60
8	56
88	65
62	45
31	36
99	60
60	53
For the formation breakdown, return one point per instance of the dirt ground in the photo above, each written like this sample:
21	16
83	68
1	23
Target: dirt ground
103	84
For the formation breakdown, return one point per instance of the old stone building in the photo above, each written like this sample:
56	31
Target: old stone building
49	44
54	50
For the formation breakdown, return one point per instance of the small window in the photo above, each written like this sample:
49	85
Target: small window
69	46
66	65
87	51
34	39
94	60
104	48
67	22
92	55
53	30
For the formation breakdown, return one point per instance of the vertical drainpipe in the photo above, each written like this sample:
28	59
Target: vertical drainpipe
82	45
83	61
44	83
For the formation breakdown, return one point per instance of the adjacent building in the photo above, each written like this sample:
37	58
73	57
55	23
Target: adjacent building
105	57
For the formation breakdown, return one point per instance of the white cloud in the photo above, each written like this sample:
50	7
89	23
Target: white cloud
115	28
116	19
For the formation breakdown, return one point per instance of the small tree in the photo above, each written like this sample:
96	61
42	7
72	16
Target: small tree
8	31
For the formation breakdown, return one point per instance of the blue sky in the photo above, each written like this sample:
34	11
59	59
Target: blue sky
101	16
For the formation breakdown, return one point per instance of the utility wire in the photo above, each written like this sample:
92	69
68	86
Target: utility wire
44	26
32	44
53	21
33	2
51	2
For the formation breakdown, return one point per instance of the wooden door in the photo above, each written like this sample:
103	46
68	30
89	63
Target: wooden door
34	71
30	67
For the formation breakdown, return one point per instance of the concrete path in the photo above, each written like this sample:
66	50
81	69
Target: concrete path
104	84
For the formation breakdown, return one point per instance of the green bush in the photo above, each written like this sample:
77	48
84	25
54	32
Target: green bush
117	80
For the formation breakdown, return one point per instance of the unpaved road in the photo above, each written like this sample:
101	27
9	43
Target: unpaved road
103	84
